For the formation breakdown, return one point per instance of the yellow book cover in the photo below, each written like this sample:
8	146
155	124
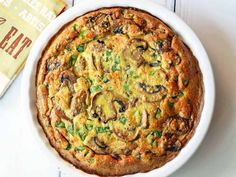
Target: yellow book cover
21	21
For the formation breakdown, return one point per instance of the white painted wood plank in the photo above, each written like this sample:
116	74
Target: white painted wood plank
10	121
167	3
214	23
69	2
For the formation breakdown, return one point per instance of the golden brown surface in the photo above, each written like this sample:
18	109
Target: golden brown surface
118	92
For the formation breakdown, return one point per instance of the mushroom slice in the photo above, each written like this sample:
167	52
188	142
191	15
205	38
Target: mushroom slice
102	106
164	45
58	114
58	125
152	92
139	44
134	102
62	115
99	143
80	66
144	123
78	102
135	51
116	156
97	63
53	64
120	103
125	135
174	131
94	61
67	78
97	146
177	125
103	21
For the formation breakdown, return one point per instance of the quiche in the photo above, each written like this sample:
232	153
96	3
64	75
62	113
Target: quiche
118	92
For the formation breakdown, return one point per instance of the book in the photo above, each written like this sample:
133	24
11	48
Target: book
21	22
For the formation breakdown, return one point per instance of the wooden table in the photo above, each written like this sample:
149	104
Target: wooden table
214	21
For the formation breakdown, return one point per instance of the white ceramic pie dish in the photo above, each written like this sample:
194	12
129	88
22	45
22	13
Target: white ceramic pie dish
28	82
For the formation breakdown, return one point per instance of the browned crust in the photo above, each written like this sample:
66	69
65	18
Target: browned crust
126	165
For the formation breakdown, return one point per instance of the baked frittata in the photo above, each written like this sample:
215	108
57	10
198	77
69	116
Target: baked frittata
118	92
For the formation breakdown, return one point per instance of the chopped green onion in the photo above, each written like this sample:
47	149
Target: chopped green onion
123	120
108	55
80	148
90	82
115	67
154	143
116	64
89	126
47	87
96	88
82	133
81	48
126	87
68	147
59	124
75	27
131	73
70	129
181	94
72	60
137	114
117	60
152	73
155	133
82	34
102	129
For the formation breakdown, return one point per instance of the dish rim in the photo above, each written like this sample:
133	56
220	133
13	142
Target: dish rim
176	24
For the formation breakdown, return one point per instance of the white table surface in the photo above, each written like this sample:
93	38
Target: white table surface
214	21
